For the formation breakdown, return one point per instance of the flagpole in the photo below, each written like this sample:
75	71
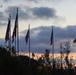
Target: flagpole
61	54
29	43
53	48
15	44
10	34
17	35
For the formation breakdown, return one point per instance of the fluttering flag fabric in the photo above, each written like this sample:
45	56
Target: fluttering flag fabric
51	39
7	31
15	27
27	36
74	40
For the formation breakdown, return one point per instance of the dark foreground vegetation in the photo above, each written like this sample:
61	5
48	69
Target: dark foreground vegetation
11	64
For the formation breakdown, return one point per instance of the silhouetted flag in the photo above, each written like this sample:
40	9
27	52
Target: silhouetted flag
15	28
74	40
7	31
27	36
51	39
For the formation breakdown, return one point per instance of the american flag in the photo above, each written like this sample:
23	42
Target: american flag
15	27
51	39
27	36
7	31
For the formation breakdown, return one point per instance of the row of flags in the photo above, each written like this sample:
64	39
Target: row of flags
15	31
7	36
15	35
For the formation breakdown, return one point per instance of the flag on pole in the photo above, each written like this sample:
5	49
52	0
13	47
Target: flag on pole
51	39
27	36
74	40
15	27
7	31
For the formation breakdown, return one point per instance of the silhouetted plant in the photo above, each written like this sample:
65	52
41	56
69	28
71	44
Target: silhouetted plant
33	55
47	52
41	60
13	52
67	52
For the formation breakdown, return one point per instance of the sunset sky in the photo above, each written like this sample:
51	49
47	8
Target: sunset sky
41	15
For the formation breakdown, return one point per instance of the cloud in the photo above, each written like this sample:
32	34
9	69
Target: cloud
33	13
6	0
22	14
55	1
43	12
2	42
3	19
40	38
37	1
2	23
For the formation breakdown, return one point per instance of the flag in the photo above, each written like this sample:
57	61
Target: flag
15	27
51	39
74	40
7	31
27	36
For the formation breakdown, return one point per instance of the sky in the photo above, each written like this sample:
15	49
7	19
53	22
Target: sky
41	15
